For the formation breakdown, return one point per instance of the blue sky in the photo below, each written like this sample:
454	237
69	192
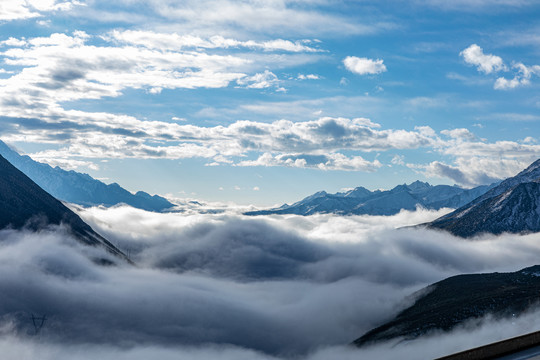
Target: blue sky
266	101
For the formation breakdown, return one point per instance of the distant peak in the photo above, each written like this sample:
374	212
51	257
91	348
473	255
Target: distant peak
418	185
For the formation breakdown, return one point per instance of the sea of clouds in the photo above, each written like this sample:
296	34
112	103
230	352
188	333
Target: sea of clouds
228	286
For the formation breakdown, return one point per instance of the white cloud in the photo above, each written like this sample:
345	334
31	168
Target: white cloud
174	41
13	42
242	17
486	63
260	81
64	67
329	260
472	171
308	77
522	78
25	9
106	136
398	160
363	66
336	280
332	161
459	134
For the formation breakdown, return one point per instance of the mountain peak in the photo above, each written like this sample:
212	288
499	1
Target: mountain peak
418	185
358	192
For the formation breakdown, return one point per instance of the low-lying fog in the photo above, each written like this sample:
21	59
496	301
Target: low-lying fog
227	286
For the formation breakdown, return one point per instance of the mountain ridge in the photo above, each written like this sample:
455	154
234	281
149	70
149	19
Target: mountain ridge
80	188
361	201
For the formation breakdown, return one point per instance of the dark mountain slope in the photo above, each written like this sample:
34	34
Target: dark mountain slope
79	188
454	300
23	204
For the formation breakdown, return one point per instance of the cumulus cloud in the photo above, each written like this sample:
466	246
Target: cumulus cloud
486	63
335	161
475	161
460	133
363	66
522	78
472	171
285	141
68	67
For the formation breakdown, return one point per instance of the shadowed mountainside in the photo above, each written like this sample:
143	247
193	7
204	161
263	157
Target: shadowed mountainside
23	204
447	303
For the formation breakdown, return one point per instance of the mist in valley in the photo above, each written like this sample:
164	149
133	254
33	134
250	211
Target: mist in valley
228	286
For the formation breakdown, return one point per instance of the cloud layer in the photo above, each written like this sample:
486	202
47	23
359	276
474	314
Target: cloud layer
241	287
43	75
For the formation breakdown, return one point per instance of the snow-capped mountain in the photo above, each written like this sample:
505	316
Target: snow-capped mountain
78	188
23	204
360	201
512	206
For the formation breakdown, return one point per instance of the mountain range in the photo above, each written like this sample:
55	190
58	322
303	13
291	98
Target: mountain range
23	204
78	188
513	206
361	201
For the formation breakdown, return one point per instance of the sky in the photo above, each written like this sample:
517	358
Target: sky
267	101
